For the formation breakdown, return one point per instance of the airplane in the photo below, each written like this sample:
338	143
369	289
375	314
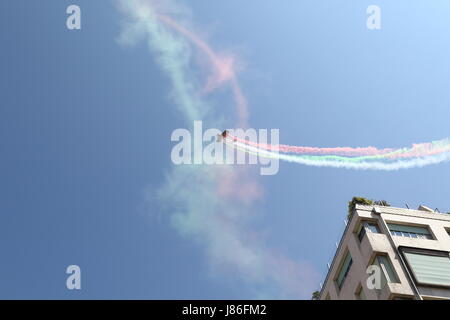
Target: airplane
225	135
222	136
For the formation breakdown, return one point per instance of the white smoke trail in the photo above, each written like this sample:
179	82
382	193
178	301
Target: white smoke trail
362	165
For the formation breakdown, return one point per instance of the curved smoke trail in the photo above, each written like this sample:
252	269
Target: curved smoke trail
223	68
211	204
419	155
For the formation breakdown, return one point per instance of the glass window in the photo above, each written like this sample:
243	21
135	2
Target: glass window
360	295
409	231
402	298
373	227
361	233
388	274
367	226
343	271
430	268
388	269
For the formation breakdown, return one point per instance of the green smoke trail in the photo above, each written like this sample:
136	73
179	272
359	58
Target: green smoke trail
439	147
378	162
171	52
191	192
418	150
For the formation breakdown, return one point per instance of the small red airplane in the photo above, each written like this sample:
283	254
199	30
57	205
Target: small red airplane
222	136
225	135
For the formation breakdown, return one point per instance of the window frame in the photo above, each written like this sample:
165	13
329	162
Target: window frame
340	269
364	228
410	234
359	291
427	252
401	297
387	274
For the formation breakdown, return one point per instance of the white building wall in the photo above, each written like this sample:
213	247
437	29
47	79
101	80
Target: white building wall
372	244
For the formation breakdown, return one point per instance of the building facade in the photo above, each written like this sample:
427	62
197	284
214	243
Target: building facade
389	253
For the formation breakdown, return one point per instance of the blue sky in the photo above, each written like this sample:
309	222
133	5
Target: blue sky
86	122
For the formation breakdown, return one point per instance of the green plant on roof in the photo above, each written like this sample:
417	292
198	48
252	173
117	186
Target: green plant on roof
364	201
315	295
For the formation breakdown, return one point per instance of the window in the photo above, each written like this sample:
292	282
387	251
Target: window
429	267
360	294
402	298
343	271
373	227
388	274
368	226
409	231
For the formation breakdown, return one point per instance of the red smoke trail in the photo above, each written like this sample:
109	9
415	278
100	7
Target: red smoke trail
344	151
223	66
416	151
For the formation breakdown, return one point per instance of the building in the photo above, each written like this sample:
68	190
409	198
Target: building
410	249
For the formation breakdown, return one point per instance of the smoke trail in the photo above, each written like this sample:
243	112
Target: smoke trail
313	150
223	69
203	200
366	153
376	162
